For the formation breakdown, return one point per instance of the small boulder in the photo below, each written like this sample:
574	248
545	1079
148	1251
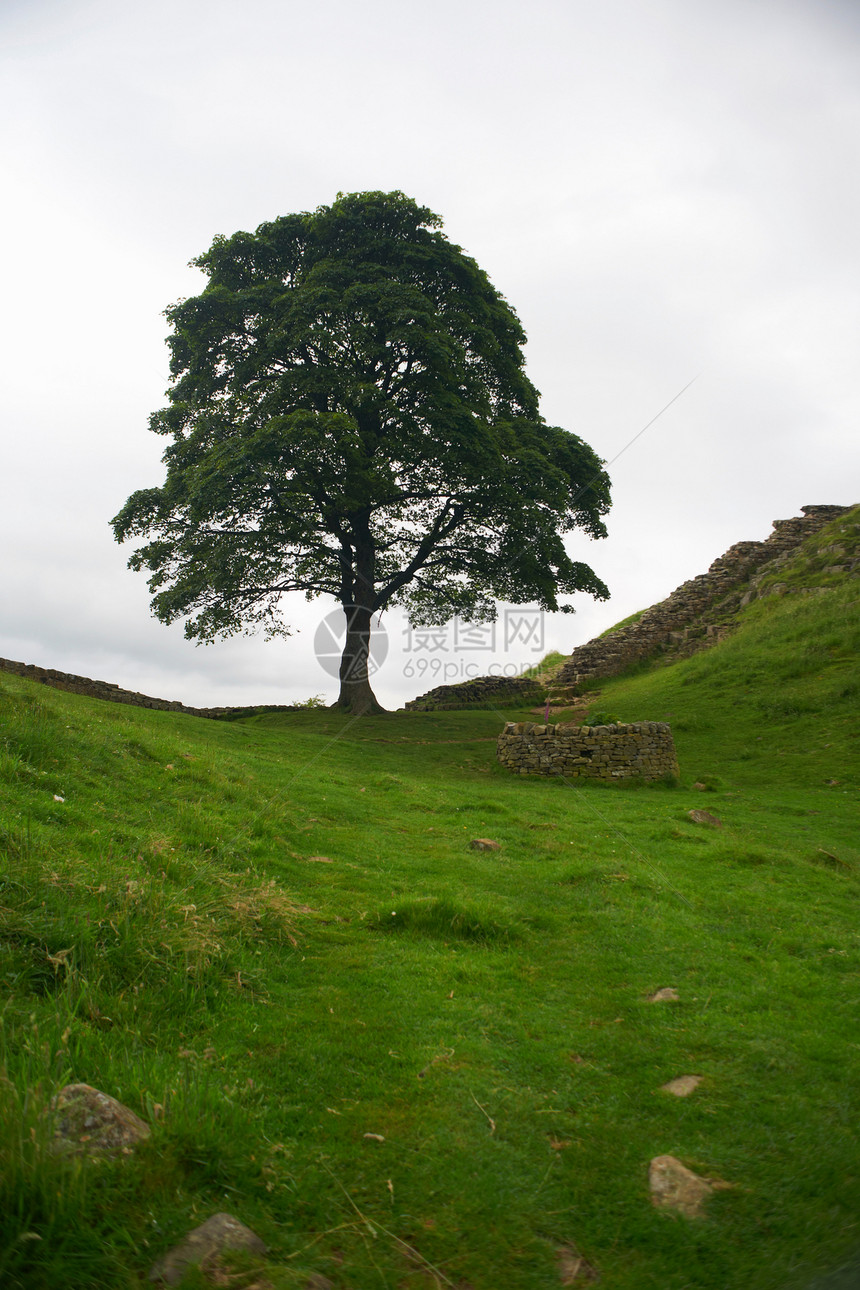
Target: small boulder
673	1186
705	817
573	1269
485	844
206	1242
683	1086
87	1121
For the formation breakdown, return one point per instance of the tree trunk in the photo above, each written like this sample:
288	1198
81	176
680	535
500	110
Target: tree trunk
356	696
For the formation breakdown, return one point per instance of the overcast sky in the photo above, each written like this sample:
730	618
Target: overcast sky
662	189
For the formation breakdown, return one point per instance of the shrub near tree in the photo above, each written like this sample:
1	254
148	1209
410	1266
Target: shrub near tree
349	416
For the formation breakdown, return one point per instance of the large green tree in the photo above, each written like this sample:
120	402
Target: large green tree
349	416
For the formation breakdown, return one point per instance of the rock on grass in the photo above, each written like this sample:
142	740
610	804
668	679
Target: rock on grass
673	1186
88	1121
203	1244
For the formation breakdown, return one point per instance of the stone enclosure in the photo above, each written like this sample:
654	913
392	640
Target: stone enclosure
638	750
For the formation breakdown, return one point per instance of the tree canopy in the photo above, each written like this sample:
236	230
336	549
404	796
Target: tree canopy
349	416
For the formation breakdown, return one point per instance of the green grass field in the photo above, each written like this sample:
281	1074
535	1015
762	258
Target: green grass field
270	939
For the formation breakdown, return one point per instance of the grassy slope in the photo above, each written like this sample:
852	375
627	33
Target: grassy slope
172	933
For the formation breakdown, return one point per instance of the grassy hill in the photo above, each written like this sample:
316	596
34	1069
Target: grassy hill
405	1063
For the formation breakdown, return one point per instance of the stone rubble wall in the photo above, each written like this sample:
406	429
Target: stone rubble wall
638	750
682	619
106	690
484	692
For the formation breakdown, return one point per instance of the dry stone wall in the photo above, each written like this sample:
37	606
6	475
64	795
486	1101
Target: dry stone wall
74	684
638	750
694	614
483	692
106	690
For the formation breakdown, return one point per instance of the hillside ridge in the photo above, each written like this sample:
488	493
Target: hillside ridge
111	693
698	614
317	956
694	615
